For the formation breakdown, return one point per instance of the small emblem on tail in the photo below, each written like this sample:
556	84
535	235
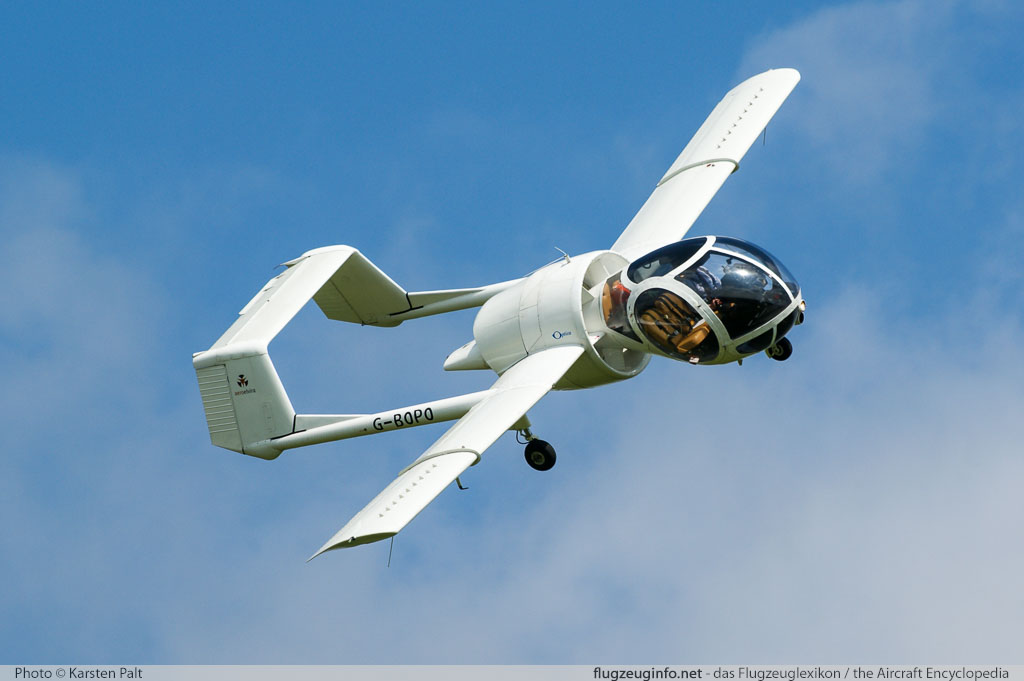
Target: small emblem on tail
242	381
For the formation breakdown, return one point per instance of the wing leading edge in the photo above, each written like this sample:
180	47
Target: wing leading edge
518	389
709	158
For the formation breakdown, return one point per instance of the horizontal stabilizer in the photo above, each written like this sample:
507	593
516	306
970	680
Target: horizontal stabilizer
361	292
283	296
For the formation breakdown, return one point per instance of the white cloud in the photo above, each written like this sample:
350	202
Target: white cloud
876	75
80	323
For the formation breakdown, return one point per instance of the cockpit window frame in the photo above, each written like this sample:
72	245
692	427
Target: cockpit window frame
663	269
707	349
710	289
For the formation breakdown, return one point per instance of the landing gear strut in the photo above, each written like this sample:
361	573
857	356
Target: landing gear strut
539	454
781	350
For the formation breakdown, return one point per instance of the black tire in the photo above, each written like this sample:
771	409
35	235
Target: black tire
781	351
540	455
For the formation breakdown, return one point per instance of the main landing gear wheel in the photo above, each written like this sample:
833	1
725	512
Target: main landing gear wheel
540	455
781	350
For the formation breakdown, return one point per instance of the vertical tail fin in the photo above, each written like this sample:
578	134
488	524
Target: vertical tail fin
244	400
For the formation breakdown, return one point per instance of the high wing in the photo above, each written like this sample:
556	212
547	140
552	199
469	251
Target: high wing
518	389
711	156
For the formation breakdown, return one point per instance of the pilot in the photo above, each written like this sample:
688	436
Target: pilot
670	324
723	308
701	280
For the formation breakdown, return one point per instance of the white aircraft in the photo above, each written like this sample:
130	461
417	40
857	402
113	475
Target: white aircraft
579	322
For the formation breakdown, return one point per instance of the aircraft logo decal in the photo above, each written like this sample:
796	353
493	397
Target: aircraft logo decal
243	383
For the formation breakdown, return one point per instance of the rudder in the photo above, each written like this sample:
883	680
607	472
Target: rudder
244	400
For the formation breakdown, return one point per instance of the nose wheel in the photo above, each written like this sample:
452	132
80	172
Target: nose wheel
540	455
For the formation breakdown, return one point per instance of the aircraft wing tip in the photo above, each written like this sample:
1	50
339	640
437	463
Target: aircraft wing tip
354	540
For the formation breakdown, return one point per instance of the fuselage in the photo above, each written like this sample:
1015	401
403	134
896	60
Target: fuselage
704	300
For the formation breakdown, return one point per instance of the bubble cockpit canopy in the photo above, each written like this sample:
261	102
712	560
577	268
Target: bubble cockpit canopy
704	300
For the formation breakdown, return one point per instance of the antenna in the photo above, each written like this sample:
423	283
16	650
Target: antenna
564	254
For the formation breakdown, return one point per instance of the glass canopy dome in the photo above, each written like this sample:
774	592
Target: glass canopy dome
706	300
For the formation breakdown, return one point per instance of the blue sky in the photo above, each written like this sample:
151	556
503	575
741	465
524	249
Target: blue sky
858	502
